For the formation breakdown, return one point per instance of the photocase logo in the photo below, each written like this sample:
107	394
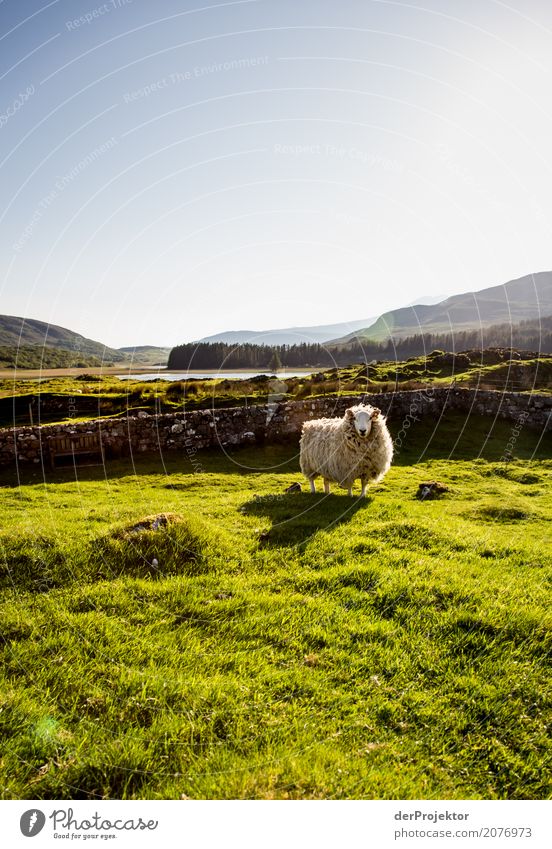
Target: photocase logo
32	822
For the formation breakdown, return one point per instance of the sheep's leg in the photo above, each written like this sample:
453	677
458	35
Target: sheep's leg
363	490
350	492
326	486
312	486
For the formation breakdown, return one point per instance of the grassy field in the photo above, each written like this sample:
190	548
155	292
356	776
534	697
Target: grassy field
91	396
284	645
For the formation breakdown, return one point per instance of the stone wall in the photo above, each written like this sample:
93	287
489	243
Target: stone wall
189	432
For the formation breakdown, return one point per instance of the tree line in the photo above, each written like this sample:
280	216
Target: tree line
220	355
532	335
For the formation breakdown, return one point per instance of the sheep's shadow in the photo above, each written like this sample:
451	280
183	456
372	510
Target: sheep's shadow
296	517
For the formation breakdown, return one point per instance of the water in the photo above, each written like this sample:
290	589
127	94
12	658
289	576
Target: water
206	375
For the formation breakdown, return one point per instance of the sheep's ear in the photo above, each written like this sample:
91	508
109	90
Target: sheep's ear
350	414
375	413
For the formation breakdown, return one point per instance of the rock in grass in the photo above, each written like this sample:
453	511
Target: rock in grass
154	546
429	490
150	523
294	487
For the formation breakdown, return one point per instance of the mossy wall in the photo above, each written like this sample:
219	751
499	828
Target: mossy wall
193	431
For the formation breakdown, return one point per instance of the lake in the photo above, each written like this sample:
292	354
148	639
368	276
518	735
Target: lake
209	375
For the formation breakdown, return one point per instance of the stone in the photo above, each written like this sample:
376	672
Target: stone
294	487
430	490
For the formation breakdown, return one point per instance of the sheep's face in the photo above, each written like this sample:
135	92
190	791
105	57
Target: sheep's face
362	418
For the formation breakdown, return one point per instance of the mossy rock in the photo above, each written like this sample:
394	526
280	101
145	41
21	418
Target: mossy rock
153	546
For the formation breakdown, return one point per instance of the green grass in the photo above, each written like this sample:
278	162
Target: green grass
284	646
95	396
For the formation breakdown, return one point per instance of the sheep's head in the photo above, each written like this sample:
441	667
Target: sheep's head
361	419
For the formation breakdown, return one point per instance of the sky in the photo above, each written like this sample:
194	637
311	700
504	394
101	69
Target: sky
170	170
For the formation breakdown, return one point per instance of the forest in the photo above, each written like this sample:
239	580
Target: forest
532	335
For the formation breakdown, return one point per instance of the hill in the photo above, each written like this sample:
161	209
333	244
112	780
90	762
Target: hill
38	357
16	332
533	335
525	298
289	335
146	354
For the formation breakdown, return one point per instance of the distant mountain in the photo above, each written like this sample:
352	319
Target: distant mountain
147	354
289	335
16	332
532	338
518	300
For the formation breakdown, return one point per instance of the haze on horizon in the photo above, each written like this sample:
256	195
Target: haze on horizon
171	171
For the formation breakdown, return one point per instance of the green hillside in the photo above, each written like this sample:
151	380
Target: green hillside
146	354
37	356
16	331
527	297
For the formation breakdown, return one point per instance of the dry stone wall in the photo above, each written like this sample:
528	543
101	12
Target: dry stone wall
193	431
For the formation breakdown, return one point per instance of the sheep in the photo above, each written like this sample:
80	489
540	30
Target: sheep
341	450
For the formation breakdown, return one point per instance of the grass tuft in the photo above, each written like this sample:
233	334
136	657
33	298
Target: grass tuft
152	548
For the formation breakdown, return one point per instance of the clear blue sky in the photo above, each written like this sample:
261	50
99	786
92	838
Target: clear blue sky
174	169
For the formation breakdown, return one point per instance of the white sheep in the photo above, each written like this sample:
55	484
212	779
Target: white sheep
342	450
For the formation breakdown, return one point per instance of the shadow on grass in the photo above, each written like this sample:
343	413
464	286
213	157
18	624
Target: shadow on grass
459	436
180	473
455	437
296	517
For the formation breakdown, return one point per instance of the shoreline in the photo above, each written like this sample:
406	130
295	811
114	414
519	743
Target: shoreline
33	374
